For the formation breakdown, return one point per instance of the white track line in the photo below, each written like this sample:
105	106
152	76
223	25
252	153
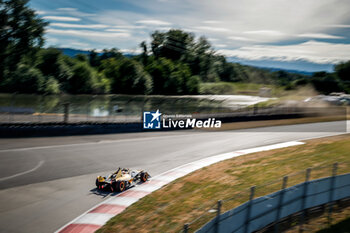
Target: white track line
41	162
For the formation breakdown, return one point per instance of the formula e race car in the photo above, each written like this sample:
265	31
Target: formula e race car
122	179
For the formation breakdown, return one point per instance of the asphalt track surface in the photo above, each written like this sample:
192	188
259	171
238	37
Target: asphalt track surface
46	182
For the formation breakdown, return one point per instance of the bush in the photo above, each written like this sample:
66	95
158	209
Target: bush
216	88
25	80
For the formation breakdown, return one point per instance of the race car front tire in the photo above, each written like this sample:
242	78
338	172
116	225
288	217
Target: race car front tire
144	176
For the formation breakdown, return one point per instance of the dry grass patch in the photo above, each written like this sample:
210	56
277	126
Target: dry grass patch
167	209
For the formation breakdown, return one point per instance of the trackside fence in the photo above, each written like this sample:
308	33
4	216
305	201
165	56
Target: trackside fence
261	211
46	110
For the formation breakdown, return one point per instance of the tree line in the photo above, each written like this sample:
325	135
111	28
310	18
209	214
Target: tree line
174	63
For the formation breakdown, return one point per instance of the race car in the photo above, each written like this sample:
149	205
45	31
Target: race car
122	179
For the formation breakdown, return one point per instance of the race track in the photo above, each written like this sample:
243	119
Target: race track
46	182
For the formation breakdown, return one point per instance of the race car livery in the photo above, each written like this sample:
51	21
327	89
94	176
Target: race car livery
122	179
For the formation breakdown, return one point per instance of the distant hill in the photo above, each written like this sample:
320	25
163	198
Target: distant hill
73	52
264	65
299	66
289	71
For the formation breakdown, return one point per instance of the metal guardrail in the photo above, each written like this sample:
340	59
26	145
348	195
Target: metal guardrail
257	213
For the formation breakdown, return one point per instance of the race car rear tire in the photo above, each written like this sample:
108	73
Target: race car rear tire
114	187
120	186
144	176
97	183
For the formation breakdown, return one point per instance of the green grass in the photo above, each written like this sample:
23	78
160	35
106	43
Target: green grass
182	201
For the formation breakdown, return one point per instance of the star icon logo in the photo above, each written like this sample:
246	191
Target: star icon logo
156	115
151	120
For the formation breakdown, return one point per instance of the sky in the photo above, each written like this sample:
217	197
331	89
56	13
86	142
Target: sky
279	31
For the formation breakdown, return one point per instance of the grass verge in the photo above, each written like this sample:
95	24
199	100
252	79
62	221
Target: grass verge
187	198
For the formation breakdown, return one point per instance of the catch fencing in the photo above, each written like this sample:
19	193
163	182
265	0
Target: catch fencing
34	109
113	113
67	113
269	210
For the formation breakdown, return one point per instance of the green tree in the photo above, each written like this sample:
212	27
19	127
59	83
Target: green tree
144	54
157	43
51	62
193	85
21	33
110	68
182	75
83	80
127	76
104	84
171	77
342	71
132	79
199	57
51	86
160	70
94	59
111	53
326	82
172	44
25	79
82	57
